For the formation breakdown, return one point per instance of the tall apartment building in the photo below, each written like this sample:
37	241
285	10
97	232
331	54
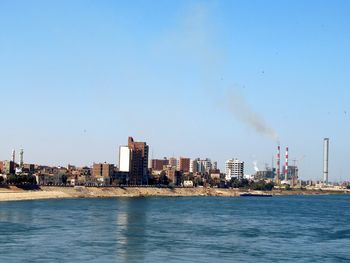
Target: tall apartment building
184	164
133	159
202	166
194	165
234	169
158	164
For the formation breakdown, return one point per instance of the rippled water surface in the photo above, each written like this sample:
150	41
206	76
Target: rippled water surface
185	229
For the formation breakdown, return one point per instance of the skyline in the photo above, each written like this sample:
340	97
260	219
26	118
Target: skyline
122	163
191	78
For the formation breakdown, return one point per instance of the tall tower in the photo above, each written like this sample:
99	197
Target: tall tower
286	167
21	158
278	167
325	159
13	155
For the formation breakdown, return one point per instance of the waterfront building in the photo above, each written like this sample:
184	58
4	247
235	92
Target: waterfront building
9	167
170	172
205	165
194	165
102	172
214	166
202	166
158	164
133	159
124	159
173	162
184	164
234	168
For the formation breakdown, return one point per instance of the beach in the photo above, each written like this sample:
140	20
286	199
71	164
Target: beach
13	193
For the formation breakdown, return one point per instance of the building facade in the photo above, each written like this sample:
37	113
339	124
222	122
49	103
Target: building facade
9	167
234	168
102	171
173	162
184	164
202	166
133	159
158	164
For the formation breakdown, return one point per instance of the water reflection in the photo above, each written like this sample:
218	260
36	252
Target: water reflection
131	223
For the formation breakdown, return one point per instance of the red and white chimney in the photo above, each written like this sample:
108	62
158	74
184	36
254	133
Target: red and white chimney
278	168
286	167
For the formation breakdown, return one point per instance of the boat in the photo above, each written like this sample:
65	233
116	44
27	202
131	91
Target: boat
255	194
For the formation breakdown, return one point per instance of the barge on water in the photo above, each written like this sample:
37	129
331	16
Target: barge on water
255	194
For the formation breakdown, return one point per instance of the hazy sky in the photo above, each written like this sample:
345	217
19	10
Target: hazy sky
217	79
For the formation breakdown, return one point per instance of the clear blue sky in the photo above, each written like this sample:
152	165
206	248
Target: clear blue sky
78	77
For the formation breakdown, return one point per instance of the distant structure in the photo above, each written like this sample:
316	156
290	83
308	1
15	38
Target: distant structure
173	162
234	168
158	164
8	167
102	172
134	160
278	166
13	156
184	164
21	159
325	160
202	166
286	166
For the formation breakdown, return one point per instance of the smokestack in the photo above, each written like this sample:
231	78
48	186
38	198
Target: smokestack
21	158
325	160
278	168
13	155
286	167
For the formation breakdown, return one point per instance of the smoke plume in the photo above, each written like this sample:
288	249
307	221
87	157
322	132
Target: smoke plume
255	164
243	113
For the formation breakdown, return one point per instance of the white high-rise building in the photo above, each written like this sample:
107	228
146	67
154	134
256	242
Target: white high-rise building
234	168
124	159
202	166
206	165
214	166
194	165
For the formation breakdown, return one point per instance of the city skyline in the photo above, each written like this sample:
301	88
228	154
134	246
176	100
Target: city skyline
191	78
134	160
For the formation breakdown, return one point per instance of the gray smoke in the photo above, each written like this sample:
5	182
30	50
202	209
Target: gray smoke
243	113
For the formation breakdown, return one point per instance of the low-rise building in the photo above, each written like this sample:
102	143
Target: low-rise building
158	164
103	172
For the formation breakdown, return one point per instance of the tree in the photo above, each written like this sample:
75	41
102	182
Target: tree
262	185
163	179
64	178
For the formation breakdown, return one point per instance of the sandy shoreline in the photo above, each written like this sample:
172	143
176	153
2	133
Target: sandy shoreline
13	193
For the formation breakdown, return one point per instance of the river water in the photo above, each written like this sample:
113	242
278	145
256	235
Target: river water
181	229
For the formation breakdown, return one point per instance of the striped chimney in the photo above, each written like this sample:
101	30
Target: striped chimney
286	167
278	168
